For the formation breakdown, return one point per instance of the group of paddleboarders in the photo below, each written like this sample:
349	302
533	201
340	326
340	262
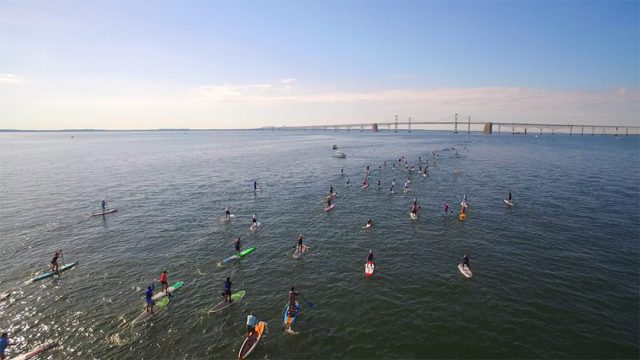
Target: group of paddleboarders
148	294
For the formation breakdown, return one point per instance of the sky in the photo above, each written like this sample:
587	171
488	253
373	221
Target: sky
247	64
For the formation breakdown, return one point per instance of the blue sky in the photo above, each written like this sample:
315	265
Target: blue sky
224	64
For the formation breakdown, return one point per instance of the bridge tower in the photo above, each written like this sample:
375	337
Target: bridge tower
469	125
455	124
409	123
396	127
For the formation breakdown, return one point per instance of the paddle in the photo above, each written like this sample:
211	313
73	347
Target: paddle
309	303
62	255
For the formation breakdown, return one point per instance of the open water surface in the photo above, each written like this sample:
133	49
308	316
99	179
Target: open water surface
556	276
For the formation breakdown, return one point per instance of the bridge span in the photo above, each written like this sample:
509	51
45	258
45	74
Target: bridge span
484	126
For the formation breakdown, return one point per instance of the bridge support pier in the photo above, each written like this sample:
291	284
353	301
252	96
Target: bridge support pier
570	130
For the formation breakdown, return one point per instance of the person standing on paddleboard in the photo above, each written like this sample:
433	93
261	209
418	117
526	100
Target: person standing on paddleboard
251	324
348	181
509	196
227	290
54	261
300	238
465	260
163	281
227	213
255	219
104	205
293	294
446	208
370	257
238	245
328	201
370	222
331	189
148	297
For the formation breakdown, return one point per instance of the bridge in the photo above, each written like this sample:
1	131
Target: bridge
488	127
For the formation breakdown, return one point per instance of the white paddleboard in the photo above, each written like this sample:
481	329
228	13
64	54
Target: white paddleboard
509	203
464	204
255	226
413	216
327	209
465	271
298	254
104	213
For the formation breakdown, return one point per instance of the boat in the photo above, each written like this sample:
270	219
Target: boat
51	273
334	147
160	305
235	297
169	290
250	342
339	154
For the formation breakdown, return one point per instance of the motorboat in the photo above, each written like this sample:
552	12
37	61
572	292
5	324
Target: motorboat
339	154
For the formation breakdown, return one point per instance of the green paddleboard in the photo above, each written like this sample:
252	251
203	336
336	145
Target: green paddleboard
235	297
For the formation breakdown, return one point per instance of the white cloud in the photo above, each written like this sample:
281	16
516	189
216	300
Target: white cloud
9	79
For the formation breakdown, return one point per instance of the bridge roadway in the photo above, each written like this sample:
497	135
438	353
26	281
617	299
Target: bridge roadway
488	127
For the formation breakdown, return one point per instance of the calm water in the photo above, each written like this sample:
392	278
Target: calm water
556	276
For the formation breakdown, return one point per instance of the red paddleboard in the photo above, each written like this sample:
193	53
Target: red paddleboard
327	209
369	267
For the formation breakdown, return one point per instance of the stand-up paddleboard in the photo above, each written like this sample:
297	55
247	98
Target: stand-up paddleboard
5	296
290	316
254	226
365	186
36	351
509	203
235	297
327	209
239	255
413	216
462	216
406	190
105	213
298	254
464	204
465	271
367	226
250	342
51	273
156	309
169	290
369	268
